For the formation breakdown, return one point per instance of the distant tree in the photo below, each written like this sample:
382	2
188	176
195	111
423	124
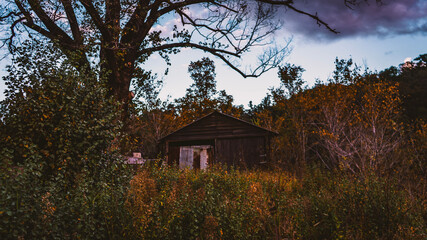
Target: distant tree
121	35
150	125
353	122
291	78
345	71
202	96
359	125
203	74
281	111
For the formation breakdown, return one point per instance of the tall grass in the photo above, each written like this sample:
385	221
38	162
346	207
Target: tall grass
167	203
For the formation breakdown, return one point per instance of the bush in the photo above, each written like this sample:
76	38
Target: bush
32	208
171	204
60	175
54	115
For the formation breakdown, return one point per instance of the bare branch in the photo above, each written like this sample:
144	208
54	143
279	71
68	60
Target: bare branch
49	23
216	52
289	4
72	20
185	45
96	18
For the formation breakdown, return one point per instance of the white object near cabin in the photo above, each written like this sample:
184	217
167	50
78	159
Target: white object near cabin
191	156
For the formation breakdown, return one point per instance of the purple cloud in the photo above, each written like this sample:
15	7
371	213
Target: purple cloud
393	17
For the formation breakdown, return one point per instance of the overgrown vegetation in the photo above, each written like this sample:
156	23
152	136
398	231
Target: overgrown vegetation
216	204
61	176
349	161
357	121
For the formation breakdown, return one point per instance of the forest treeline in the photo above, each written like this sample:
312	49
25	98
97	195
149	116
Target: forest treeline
358	120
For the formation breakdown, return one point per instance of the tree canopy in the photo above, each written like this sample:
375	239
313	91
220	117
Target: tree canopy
120	35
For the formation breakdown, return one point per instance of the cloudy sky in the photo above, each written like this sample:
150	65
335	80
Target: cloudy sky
389	18
375	35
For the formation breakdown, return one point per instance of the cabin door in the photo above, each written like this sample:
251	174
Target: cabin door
194	157
186	157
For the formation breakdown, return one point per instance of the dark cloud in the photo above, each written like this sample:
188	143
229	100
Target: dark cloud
393	17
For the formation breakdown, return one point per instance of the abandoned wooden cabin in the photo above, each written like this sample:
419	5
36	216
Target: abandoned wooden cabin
218	138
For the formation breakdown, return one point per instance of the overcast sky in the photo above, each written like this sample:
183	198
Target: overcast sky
375	35
378	36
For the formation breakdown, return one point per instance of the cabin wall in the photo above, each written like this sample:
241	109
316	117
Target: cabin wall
242	152
232	142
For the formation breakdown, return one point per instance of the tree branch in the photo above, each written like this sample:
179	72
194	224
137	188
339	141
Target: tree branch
49	23
289	4
96	18
264	65
185	45
136	21
72	20
112	17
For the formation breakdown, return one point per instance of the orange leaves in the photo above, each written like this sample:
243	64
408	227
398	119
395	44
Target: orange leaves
48	207
210	204
140	199
355	125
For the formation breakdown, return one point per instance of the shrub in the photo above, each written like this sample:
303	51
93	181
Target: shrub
214	204
60	176
32	208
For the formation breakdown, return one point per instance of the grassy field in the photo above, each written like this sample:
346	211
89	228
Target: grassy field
166	203
220	204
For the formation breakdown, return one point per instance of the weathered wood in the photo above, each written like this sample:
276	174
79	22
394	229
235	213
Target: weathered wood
229	140
217	125
242	152
186	157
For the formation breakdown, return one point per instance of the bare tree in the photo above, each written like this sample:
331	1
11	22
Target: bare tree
122	34
359	126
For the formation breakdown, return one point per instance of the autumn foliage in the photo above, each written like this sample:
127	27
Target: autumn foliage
219	204
349	161
355	122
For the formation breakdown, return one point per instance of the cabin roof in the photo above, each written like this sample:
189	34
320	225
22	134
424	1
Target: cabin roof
217	125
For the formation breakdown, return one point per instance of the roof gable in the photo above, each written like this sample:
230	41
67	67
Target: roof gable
217	125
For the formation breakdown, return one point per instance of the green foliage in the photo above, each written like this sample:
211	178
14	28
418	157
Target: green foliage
60	176
54	113
93	208
336	206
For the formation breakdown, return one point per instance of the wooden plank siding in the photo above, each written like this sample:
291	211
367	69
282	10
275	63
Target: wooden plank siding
242	152
234	142
217	125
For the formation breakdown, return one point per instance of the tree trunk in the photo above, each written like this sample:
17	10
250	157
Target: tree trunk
118	70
